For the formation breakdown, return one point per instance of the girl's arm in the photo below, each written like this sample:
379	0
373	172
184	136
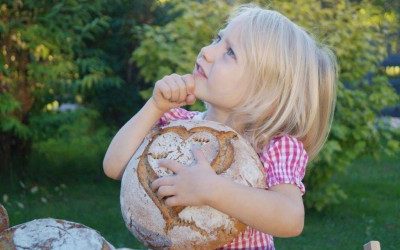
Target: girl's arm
278	211
128	139
170	92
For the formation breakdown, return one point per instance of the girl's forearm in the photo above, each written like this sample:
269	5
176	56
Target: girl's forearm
128	139
267	211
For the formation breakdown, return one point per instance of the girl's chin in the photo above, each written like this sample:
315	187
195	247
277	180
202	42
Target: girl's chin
199	89
198	79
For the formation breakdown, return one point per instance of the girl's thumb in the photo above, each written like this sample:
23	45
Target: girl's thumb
190	99
198	153
189	81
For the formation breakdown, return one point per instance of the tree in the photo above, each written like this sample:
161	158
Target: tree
44	56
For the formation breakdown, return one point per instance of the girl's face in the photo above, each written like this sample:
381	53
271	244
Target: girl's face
223	81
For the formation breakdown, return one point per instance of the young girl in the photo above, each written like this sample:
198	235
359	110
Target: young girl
268	79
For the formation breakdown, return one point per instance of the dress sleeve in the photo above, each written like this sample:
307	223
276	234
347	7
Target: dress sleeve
285	161
175	114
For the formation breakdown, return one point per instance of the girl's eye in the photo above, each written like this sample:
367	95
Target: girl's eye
230	52
216	39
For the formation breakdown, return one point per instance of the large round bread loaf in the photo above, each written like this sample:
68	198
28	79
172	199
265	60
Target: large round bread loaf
52	234
201	227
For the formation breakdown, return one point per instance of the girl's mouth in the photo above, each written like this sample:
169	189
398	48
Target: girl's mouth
199	71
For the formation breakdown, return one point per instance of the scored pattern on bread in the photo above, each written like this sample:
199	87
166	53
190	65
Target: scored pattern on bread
193	227
220	163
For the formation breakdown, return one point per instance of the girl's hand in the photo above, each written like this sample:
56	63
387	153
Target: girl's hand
189	186
173	91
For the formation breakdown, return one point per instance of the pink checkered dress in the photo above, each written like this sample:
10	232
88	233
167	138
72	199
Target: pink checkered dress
284	160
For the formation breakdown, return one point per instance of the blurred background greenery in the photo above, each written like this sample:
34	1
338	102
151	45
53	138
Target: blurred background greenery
73	72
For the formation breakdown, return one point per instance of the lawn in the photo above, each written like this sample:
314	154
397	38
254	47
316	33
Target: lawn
372	211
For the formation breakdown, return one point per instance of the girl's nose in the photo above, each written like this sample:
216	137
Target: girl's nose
206	53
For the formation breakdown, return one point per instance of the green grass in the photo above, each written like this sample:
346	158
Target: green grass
92	201
371	212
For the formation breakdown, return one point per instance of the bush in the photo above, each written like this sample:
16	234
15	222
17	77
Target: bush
68	144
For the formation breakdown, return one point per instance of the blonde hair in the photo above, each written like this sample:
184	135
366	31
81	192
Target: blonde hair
293	81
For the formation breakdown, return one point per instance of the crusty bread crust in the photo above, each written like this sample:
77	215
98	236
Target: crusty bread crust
159	226
52	234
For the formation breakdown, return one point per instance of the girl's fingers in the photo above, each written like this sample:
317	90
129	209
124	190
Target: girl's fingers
190	99
172	201
172	165
165	191
163	181
189	82
182	90
175	90
165	90
176	79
